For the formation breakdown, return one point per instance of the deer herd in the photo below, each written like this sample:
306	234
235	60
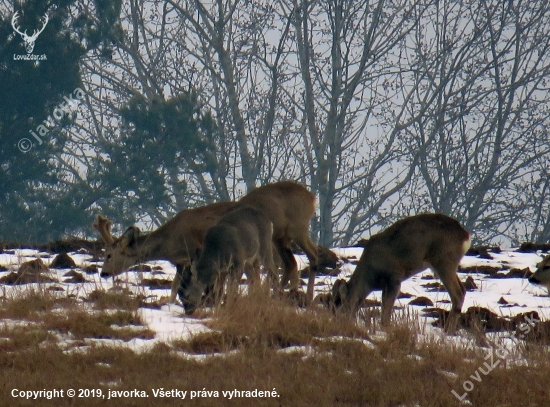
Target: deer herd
224	240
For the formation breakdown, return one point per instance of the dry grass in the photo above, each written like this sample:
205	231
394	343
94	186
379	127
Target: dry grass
258	321
25	305
82	324
66	316
399	368
122	299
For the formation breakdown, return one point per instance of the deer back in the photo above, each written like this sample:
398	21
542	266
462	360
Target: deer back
412	244
240	236
290	206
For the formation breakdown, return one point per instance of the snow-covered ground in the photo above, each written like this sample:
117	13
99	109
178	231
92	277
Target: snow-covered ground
170	323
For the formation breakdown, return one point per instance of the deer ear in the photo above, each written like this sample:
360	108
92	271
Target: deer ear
340	290
198	251
129	237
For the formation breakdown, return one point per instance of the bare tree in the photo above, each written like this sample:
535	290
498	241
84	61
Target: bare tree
384	108
487	64
345	55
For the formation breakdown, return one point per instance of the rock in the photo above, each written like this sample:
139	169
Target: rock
74	277
514	273
91	269
25	278
367	303
434	287
469	284
29	272
324	299
157	283
529	247
62	261
485	319
519	273
33	267
478	318
489	270
483	251
327	263
296	298
56	288
141	267
422	301
327	258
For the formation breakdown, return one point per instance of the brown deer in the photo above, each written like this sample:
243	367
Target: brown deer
542	274
290	207
404	249
241	238
176	241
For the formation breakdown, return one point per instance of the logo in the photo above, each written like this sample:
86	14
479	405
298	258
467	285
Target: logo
29	40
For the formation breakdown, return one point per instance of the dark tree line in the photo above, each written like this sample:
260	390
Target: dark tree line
384	109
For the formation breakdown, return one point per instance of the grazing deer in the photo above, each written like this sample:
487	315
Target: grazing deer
290	207
542	274
404	249
241	238
176	241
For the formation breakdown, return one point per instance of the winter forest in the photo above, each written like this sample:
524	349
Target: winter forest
382	108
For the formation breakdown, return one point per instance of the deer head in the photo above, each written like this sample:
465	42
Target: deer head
542	274
120	253
28	40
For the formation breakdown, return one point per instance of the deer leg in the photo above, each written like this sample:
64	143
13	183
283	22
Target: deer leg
252	272
181	281
456	290
310	249
290	267
175	287
266	258
235	275
217	289
389	295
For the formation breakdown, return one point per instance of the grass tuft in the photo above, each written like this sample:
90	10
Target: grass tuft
101	325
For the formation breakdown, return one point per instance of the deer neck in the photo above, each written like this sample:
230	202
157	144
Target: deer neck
153	246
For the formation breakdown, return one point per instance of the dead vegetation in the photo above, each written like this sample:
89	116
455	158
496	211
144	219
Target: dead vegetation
68	318
259	321
307	356
49	340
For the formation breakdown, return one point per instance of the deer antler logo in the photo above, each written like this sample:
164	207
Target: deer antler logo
29	40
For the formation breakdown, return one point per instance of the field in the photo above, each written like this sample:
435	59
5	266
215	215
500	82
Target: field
116	342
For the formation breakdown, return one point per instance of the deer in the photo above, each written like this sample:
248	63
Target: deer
541	275
402	250
287	204
290	207
176	241
241	238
